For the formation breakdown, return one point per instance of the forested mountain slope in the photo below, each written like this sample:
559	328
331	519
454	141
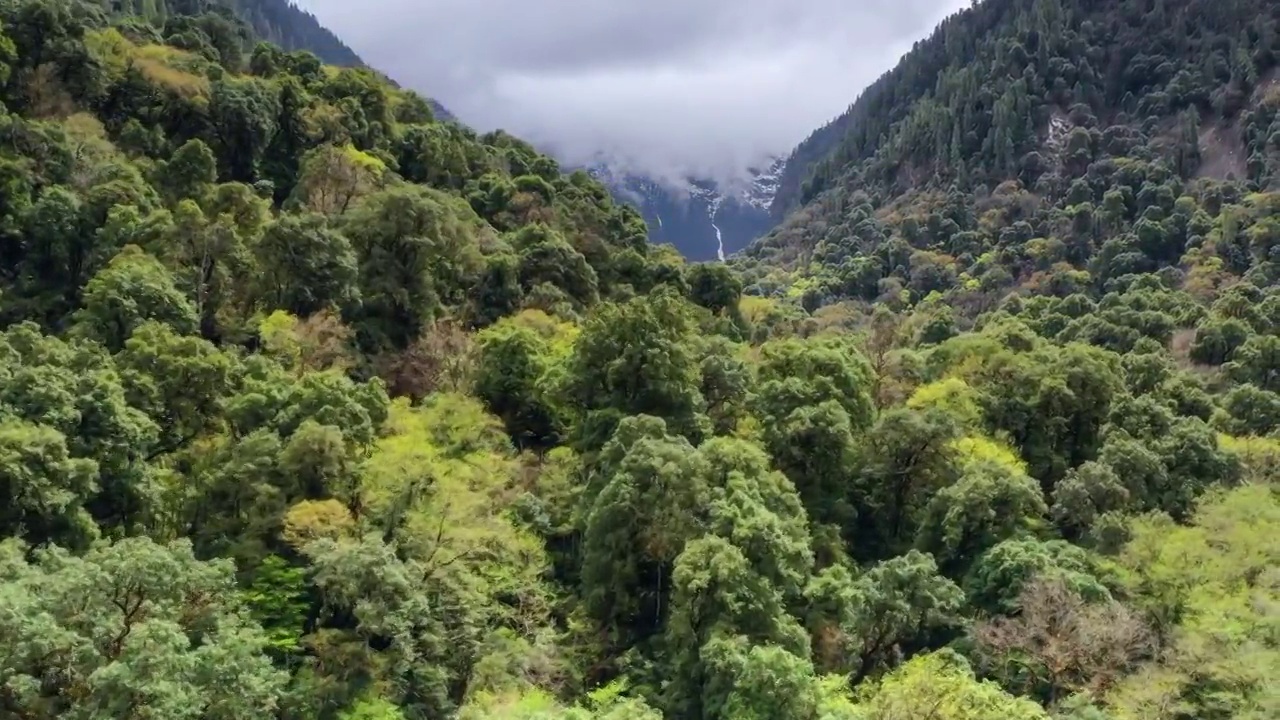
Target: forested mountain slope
279	22
315	407
1047	92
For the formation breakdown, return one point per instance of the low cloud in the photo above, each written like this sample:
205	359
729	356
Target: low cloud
665	87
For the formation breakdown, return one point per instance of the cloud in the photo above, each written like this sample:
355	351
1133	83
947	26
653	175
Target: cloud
667	87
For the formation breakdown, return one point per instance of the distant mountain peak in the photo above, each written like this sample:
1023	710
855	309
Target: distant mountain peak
704	219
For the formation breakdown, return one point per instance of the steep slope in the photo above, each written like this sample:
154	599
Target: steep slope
279	22
315	407
703	220
283	23
1060	97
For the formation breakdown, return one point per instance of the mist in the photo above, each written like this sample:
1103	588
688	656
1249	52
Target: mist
665	88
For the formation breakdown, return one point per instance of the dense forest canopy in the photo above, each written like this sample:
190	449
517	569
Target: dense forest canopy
314	405
279	22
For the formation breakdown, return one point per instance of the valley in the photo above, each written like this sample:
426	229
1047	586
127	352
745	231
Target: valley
319	403
698	217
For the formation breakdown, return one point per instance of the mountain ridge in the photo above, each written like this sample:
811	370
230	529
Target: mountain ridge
313	406
982	100
701	218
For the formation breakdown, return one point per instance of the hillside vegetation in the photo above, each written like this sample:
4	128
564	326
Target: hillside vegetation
313	406
280	22
1049	93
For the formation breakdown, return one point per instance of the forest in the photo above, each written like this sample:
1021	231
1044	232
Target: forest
316	405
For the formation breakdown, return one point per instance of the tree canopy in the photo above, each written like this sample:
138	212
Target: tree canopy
318	405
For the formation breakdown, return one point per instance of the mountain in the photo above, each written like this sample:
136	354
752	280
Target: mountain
314	406
1052	103
703	219
279	22
283	23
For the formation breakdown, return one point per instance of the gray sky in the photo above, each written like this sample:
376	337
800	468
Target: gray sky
668	87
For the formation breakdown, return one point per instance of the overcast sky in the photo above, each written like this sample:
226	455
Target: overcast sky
676	86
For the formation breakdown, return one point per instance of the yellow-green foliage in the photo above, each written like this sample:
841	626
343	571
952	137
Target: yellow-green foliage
532	705
278	339
174	69
799	287
977	449
755	309
941	686
372	707
834	701
93	150
1259	456
364	160
1264	204
966	356
559	334
952	396
334	176
1213	590
605	703
111	49
447	471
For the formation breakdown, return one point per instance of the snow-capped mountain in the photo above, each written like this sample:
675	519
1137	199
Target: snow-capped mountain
703	219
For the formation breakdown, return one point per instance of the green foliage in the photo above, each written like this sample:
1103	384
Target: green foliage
1211	589
635	358
987	505
276	598
133	289
867	622
317	404
513	378
942	685
129	625
997	579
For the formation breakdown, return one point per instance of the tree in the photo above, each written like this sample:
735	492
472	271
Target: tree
1086	494
190	172
442	358
177	380
869	624
333	177
45	490
414	248
1068	388
908	457
210	253
1257	361
714	286
636	527
719	602
813	397
1205	588
635	358
128	630
244	114
726	383
758	682
544	256
941	685
996	581
306	267
1059	644
512	377
132	290
989	504
76	390
58	256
